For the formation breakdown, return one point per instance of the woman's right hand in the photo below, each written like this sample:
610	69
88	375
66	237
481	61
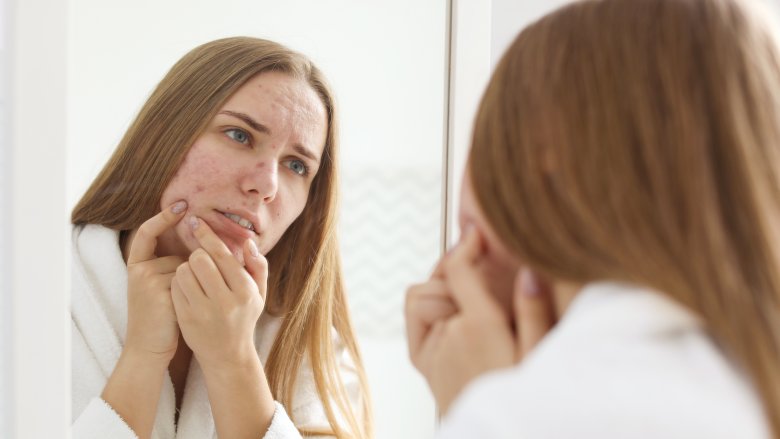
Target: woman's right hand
456	328
152	329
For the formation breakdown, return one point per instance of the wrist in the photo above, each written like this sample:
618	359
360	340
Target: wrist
241	360
241	400
144	358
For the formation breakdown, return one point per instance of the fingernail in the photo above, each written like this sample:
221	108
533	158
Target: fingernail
179	207
253	249
529	286
194	223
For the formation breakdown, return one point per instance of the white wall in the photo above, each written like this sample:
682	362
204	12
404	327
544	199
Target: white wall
5	193
384	58
34	232
511	16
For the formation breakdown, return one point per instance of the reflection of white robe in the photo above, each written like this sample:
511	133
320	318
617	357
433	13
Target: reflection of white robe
622	363
99	325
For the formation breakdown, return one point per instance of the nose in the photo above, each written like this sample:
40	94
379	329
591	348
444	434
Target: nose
262	181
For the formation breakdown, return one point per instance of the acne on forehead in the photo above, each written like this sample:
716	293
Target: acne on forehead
310	112
285	102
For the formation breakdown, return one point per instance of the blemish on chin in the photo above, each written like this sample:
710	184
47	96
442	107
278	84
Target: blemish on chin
198	188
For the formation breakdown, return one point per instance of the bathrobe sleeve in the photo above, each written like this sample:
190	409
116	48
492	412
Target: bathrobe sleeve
99	420
282	426
92	417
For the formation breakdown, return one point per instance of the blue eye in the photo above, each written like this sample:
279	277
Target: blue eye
299	167
238	135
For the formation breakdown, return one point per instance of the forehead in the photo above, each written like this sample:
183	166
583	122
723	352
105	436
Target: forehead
283	103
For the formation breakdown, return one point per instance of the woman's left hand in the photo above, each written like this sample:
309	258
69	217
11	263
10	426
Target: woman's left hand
473	335
217	301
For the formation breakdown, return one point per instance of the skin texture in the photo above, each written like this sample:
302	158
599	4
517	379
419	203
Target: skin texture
196	276
234	168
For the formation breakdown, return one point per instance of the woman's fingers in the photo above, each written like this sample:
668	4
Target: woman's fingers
207	273
425	305
166	264
256	266
189	285
178	297
145	240
227	264
464	280
534	313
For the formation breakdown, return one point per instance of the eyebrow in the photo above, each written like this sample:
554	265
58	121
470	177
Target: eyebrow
257	126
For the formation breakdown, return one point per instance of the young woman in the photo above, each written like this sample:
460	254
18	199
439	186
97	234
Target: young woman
207	290
619	272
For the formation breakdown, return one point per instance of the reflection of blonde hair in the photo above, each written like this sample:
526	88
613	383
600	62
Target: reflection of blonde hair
640	141
305	276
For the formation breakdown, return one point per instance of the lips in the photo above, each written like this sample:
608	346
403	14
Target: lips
231	228
243	222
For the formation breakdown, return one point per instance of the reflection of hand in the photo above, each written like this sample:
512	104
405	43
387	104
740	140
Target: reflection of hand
457	330
217	301
151	320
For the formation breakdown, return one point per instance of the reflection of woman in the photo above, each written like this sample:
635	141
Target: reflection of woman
180	326
621	209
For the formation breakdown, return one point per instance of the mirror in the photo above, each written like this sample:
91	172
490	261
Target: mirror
386	62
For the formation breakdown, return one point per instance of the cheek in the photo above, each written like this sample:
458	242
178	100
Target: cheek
499	270
282	212
287	211
188	182
500	283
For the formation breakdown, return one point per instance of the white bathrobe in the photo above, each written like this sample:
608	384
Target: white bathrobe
622	363
99	325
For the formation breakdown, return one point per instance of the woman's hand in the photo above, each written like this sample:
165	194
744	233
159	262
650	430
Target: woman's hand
217	301
456	329
151	321
133	388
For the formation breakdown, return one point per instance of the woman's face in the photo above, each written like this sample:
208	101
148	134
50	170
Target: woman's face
248	175
498	266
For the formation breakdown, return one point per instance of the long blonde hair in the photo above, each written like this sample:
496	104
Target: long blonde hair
639	141
305	269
